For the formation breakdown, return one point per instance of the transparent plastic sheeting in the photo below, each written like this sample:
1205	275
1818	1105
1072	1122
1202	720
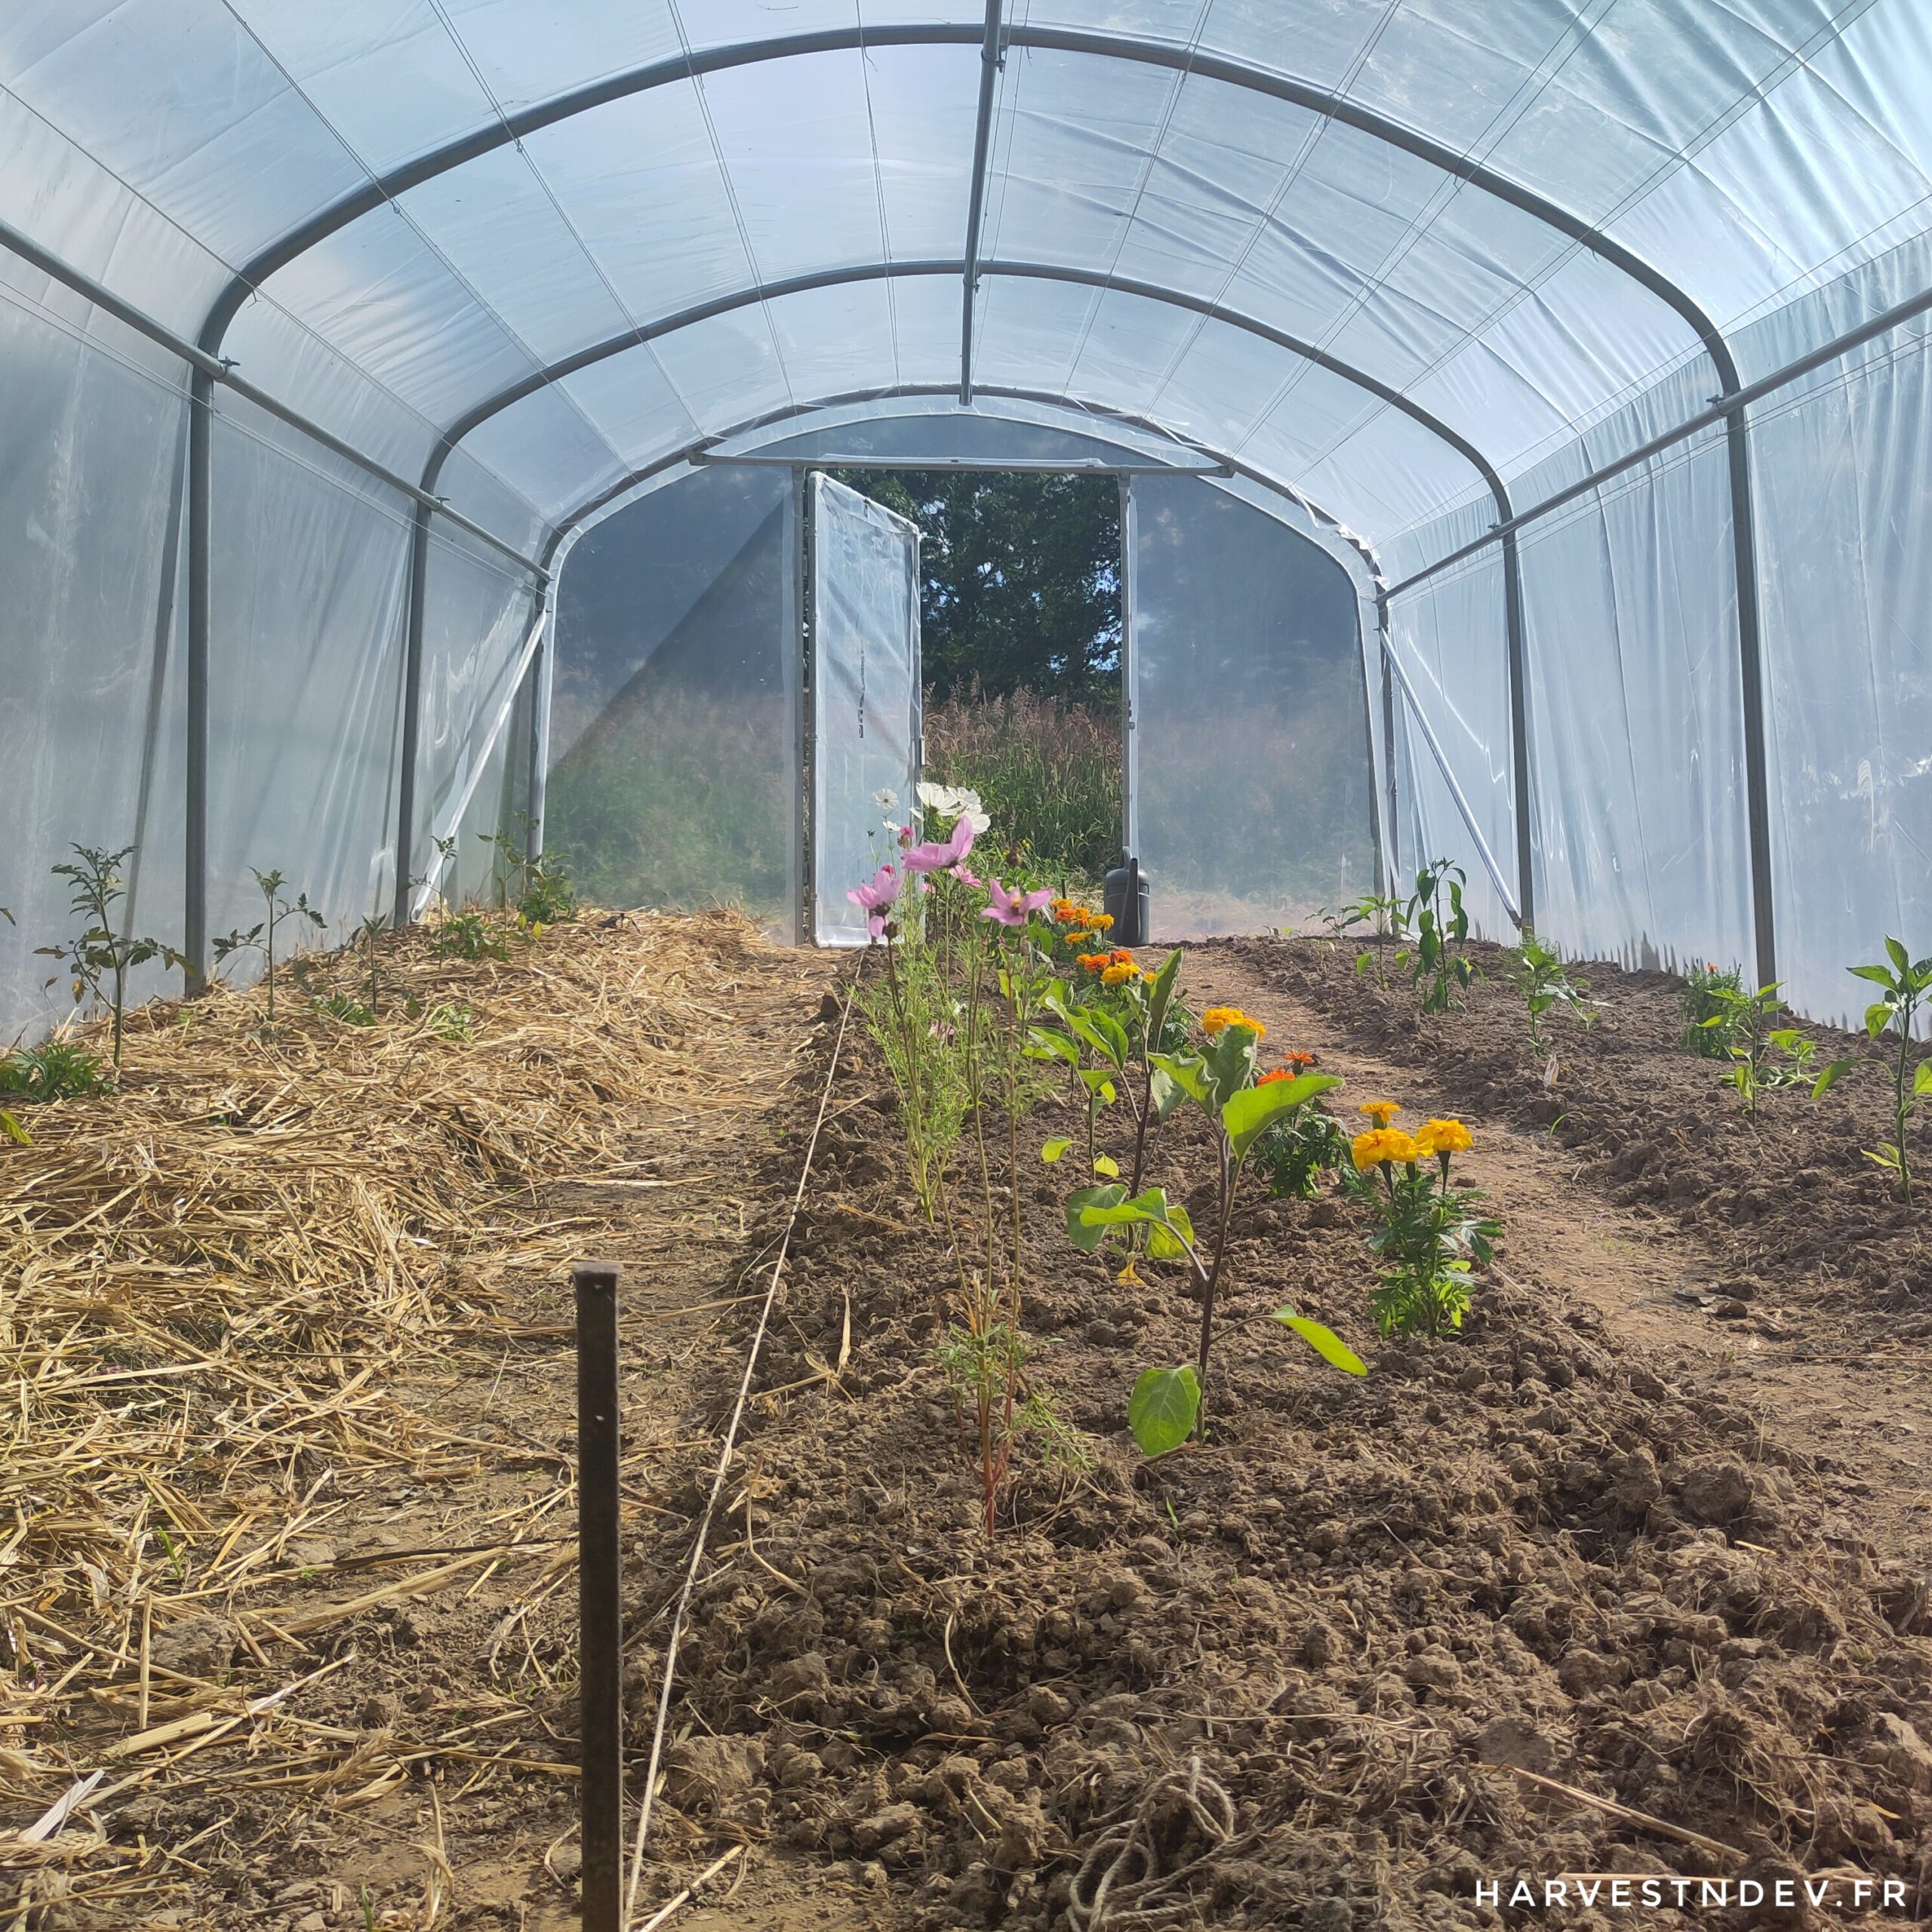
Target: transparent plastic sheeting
1253	790
674	776
88	709
866	695
1450	640
1844	505
1641	840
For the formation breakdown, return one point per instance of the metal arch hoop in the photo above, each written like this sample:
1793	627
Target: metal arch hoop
539	380
992	36
1096	415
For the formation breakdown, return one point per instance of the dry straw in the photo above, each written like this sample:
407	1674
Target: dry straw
212	1281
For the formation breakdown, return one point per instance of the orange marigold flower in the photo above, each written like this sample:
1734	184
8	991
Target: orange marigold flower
1444	1136
1300	1059
1381	1112
1380	1146
1217	1020
1092	962
1277	1073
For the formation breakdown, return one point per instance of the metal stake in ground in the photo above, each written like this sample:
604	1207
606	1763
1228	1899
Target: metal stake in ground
600	1637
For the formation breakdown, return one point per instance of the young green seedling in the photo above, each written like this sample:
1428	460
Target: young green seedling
1242	1113
261	936
1907	986
98	961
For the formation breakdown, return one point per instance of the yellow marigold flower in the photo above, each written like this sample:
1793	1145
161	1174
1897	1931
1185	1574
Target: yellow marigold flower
1380	1146
1217	1020
1082	938
1444	1136
1103	920
1381	1112
1115	974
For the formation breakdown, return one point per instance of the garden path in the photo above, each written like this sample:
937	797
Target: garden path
1867	1420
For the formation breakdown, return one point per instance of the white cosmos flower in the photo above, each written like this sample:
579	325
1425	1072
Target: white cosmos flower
885	798
938	797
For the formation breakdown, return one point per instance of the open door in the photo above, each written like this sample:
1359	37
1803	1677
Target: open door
863	628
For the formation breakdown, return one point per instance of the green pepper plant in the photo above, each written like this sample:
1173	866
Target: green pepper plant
1169	1405
1907	984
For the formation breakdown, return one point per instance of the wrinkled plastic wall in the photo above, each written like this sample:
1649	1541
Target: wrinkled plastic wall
1640	835
308	564
1254	784
674	775
1449	637
866	696
94	442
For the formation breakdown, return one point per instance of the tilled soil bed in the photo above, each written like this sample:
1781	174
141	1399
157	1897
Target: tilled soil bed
1512	1605
1786	1195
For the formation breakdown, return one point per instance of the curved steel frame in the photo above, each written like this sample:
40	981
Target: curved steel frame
993	37
530	385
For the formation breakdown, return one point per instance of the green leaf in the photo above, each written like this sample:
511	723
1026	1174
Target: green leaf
1082	1024
1054	1149
1118	1049
14	1130
1886	1156
1161	997
1105	1163
1163	1245
1085	1235
1050	1045
1878	1017
1162	1409
1898	954
1244	1114
1166	1092
1830	1076
1099	1082
1324	1342
1922	1081
1188	1073
1877	975
1783	1038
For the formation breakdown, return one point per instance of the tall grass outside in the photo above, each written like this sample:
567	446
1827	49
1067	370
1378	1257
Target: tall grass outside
1048	771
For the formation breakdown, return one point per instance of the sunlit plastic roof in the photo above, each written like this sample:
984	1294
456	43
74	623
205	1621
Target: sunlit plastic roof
1346	242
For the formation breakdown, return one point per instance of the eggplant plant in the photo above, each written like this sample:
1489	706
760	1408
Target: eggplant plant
1221	1082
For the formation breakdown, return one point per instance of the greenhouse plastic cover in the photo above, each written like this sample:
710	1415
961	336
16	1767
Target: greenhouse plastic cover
1407	261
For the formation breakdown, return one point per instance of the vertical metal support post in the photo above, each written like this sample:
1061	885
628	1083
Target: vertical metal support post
1519	730
600	1615
1128	789
412	710
1375	840
1388	741
539	735
798	621
195	848
1756	784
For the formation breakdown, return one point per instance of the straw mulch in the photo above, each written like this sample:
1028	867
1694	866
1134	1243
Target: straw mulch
212	1281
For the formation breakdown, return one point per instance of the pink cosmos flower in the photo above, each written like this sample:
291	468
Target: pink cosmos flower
1013	908
874	897
940	858
965	874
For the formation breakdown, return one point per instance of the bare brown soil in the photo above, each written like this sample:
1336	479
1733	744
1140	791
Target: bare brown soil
1373	1641
1434	1626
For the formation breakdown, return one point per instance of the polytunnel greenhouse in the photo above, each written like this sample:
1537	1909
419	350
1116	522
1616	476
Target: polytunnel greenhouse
1518	421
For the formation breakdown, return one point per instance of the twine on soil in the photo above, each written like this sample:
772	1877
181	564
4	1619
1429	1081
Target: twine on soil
724	1455
1131	1889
